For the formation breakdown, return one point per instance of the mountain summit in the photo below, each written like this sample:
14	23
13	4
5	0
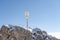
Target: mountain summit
14	32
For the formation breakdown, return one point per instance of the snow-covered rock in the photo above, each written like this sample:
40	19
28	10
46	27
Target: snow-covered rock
12	32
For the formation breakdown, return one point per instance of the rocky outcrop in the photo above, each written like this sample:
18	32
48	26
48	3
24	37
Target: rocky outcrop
12	32
41	35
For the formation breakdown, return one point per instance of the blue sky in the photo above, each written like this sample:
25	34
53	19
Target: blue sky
44	14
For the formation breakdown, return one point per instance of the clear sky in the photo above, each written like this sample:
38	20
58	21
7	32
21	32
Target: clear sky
44	14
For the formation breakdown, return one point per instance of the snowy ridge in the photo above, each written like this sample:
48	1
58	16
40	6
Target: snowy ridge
37	34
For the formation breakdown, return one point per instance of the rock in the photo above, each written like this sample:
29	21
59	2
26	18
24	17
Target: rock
13	32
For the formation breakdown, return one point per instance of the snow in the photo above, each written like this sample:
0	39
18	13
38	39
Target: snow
55	34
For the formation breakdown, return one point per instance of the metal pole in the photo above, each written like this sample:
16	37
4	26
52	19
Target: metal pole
27	15
27	23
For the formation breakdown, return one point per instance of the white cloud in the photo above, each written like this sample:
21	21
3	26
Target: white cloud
55	34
